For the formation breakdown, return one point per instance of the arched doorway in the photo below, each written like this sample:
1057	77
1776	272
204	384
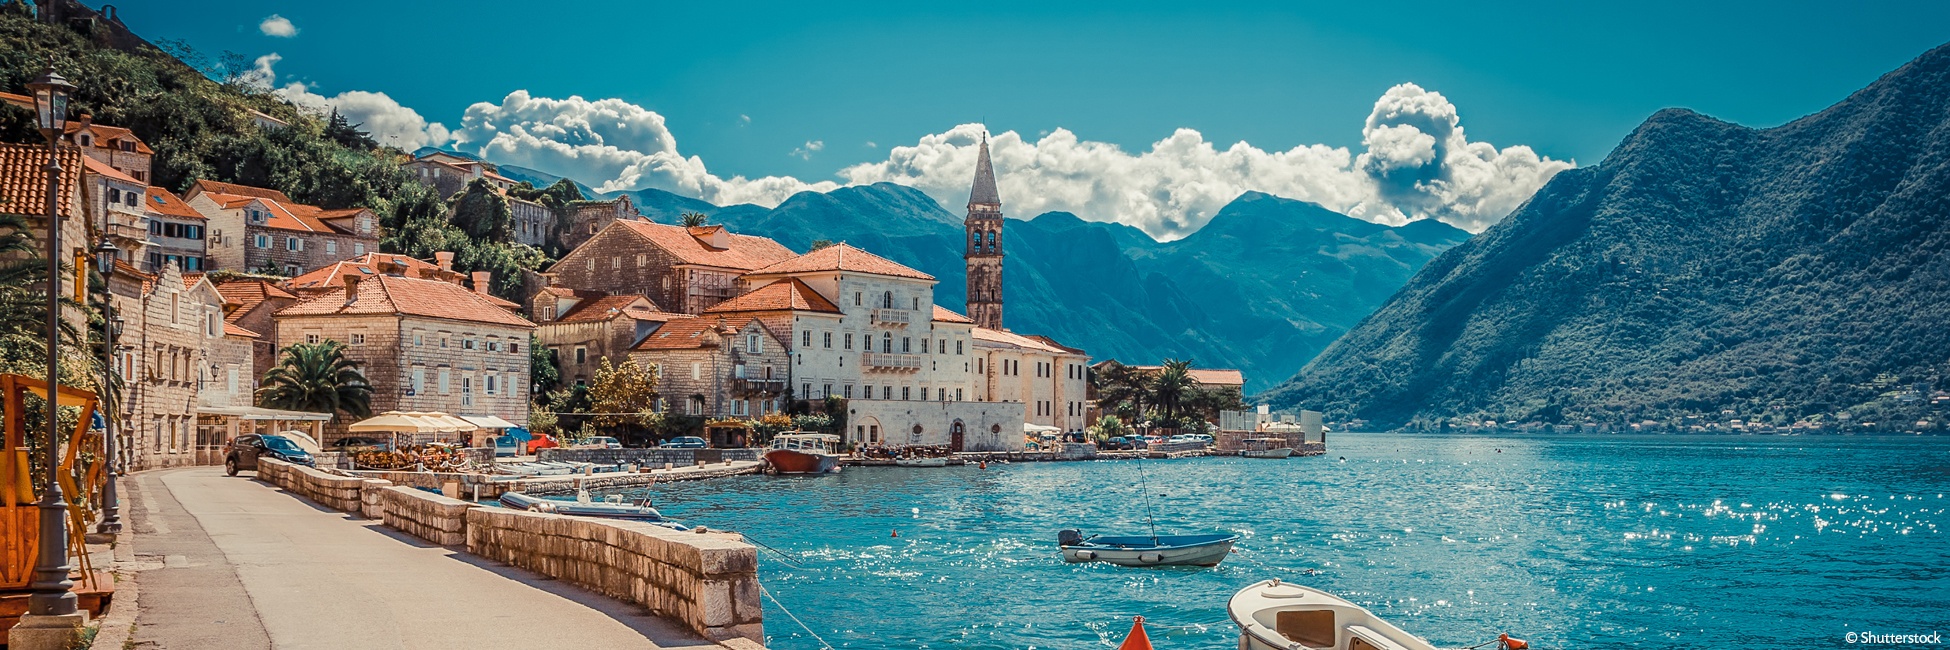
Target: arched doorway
956	433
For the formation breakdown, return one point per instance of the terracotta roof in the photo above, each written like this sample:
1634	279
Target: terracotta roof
102	169
247	294
23	186
688	333
218	187
743	252
368	265
600	309
164	202
232	329
1206	376
386	294
110	134
566	292
285	215
190	280
842	257
22	101
783	295
943	315
1015	340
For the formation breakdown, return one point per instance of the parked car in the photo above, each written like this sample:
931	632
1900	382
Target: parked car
540	442
243	451
601	442
362	441
506	446
1120	443
685	442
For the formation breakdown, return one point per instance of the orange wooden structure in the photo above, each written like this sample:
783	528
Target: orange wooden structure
19	540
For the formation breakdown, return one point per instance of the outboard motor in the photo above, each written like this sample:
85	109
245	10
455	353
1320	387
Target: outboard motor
1069	537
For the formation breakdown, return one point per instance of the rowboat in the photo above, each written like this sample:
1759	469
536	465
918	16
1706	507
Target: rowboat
803	453
1274	615
1141	550
1265	448
613	508
922	462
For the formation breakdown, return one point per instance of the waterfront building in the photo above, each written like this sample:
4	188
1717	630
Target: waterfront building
424	344
258	229
684	270
1051	379
582	328
715	367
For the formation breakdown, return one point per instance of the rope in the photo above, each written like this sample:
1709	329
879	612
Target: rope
787	559
1148	516
795	619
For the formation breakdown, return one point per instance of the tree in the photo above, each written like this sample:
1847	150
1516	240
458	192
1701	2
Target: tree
1122	390
481	211
1171	385
692	219
821	243
316	378
1108	427
543	376
347	134
622	395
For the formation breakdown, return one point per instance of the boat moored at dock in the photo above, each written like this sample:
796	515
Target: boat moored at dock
1145	550
803	453
613	508
1265	448
1275	615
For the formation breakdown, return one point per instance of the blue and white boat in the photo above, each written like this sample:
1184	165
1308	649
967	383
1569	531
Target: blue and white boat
613	508
1146	550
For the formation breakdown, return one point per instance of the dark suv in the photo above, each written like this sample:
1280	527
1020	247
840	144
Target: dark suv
242	453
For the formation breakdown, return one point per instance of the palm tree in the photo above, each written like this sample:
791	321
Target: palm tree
692	219
317	378
23	294
1170	387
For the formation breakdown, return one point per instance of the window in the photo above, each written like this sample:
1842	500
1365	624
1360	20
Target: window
958	394
491	383
886	342
615	261
905	393
738	371
358	338
924	346
114	195
446	376
591	263
311	337
847	391
697	370
917	304
548	312
261	241
886	392
805	390
209	324
293	244
467	344
358	249
957	347
130	199
849	340
419	384
419	338
582	355
331	247
514	348
887	299
827	391
907	344
642	260
856	298
738	407
756	345
827	338
924	393
466	390
805	339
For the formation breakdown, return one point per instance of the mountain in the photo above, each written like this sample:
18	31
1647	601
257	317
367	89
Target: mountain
1703	266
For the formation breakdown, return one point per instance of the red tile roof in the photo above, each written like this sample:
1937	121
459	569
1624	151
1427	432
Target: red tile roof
101	168
386	294
109	134
1219	377
247	294
218	187
23	185
1016	340
943	315
842	257
285	214
689	333
367	265
784	295
166	203
742	252
232	329
604	308
22	101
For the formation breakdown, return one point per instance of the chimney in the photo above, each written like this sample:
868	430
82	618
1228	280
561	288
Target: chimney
445	259
86	120
482	280
352	288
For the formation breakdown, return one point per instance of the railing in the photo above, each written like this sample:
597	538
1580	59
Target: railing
721	293
892	317
746	386
891	361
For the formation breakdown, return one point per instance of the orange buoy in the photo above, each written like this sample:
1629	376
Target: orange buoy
1137	639
1505	642
897	532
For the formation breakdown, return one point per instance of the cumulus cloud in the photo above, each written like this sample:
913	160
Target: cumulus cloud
1415	163
375	113
278	26
610	143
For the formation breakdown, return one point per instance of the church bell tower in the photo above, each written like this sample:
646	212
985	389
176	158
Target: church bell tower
984	241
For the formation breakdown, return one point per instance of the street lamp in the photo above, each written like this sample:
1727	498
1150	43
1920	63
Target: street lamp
111	522
53	592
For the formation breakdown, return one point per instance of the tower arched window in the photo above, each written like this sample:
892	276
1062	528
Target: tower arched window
887	300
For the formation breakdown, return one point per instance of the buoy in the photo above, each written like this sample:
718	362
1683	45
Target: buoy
983	465
1505	642
1137	639
897	532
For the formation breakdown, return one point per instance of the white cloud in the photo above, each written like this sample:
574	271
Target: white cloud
375	113
278	26
1415	163
609	143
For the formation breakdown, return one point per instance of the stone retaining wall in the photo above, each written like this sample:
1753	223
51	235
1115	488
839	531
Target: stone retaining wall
341	493
646	457
490	486
426	515
552	485
707	581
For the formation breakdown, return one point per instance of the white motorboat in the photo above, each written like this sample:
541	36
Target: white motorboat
1265	448
1143	550
922	462
1274	615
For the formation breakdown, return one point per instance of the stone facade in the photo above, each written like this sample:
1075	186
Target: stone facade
983	245
532	221
586	218
685	270
969	426
174	330
709	366
255	229
1050	380
583	328
253	304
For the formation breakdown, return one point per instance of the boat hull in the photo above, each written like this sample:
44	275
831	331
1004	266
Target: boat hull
1282	452
1272	615
1206	550
793	461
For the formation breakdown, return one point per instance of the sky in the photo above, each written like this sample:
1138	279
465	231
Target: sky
1152	114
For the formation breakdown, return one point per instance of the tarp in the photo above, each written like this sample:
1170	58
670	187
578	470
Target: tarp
488	422
260	413
1037	428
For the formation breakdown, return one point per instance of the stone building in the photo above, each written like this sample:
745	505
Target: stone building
983	249
586	218
425	345
685	270
251	306
333	275
177	233
448	173
712	366
583	328
173	332
116	147
257	229
23	193
1050	379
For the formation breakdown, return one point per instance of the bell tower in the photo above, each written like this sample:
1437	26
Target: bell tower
984	245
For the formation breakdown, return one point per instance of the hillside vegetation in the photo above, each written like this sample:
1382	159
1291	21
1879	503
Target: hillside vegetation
1795	272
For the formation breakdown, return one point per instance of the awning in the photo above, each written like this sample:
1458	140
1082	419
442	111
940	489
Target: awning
488	422
447	423
1037	428
259	413
389	421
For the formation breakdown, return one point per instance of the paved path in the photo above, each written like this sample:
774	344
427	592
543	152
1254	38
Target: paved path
245	565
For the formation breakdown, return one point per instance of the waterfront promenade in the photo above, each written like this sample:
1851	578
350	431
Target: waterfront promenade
230	562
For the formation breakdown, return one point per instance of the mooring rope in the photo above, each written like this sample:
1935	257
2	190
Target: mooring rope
795	619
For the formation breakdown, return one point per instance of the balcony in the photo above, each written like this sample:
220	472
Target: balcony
892	317
888	361
744	386
714	293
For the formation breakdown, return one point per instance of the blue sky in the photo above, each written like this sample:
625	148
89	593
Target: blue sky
1565	79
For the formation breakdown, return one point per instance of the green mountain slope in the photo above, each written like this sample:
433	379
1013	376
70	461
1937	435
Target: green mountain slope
1703	266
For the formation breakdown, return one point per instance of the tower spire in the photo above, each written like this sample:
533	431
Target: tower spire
983	192
984	253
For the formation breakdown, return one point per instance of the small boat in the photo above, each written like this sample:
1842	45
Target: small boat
612	508
1274	615
922	462
799	452
1140	550
1265	448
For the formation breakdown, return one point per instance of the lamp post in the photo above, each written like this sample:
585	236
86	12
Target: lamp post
111	522
53	592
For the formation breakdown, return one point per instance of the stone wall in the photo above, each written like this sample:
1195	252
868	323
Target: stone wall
341	493
426	515
651	458
708	582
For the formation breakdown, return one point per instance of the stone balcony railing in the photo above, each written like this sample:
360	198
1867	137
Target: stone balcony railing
891	361
892	317
748	386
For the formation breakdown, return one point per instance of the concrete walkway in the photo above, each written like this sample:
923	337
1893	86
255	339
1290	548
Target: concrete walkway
237	563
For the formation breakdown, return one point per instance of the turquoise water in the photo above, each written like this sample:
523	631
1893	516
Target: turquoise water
1569	542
